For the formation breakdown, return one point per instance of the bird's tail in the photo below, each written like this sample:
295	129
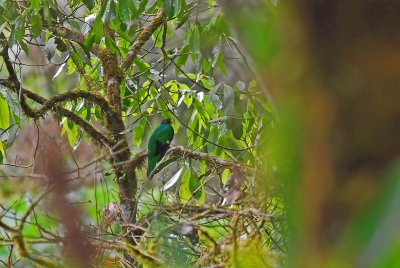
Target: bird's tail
151	165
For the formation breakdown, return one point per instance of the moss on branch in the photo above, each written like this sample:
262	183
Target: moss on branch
143	37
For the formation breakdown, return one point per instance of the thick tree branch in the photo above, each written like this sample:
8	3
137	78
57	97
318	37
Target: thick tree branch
70	96
143	37
61	111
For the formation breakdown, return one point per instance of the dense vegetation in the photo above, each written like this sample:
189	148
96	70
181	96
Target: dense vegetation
107	72
286	123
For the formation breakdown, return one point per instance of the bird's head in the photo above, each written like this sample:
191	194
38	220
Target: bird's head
166	120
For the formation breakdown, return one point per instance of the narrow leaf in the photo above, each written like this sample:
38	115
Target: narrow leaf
4	114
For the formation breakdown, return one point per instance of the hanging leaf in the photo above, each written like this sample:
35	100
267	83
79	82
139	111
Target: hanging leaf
35	4
229	99
123	11
4	114
194	42
89	4
50	48
169	6
184	191
58	71
108	11
138	131
36	23
172	181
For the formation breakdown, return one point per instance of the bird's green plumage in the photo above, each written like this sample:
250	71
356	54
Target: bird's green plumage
159	143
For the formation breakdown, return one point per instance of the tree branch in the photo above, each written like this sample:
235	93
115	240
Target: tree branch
73	35
61	111
70	96
143	37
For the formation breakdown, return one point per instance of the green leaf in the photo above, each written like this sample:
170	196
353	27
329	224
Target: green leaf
216	52
221	65
97	29
110	44
82	51
237	128
188	100
89	4
157	36
123	11
180	8
2	152
229	99
35	4
18	29
36	23
133	7
150	4
108	11
195	187
4	114
169	6
138	132
72	132
24	46
194	42
90	40
182	58
200	109
184	192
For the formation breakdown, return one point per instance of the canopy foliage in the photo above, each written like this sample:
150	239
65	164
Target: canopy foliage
107	72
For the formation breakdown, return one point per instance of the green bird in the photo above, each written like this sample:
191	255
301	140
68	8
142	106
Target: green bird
159	143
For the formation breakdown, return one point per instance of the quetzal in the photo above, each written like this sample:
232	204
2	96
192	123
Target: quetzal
159	143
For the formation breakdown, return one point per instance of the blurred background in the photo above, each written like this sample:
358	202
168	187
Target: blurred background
333	69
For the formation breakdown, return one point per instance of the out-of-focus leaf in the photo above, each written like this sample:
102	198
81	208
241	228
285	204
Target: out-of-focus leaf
147	105
216	52
108	11
35	4
150	4
2	152
221	65
241	86
82	52
215	100
18	29
36	25
97	28
58	71
194	42
123	11
138	132
195	187
154	75
60	45
72	131
89	3
184	191
172	181
50	48
4	114
229	99
169	6
110	44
